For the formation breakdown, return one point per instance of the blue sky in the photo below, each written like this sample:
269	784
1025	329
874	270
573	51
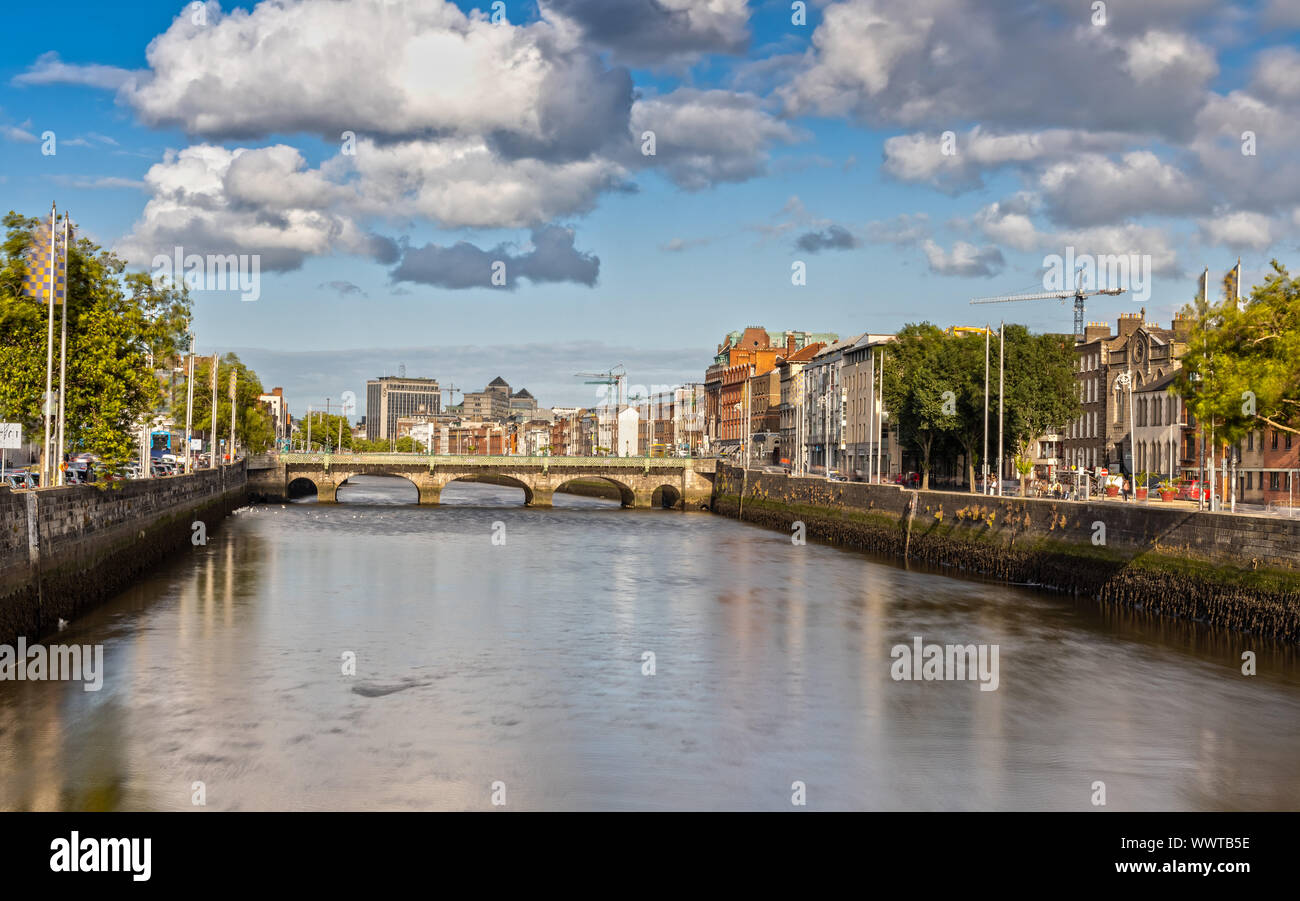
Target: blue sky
820	143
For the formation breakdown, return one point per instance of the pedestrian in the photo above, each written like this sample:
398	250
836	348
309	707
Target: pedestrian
1126	489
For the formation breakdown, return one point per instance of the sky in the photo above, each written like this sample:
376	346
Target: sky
641	177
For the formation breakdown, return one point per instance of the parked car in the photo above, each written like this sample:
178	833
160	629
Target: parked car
21	479
1189	489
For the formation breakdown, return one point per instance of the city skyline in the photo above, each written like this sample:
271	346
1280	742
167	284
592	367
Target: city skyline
775	143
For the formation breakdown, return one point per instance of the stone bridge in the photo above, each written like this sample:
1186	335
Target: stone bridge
673	482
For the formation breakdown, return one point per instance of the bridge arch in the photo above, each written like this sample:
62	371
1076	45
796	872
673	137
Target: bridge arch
346	478
300	487
493	479
667	496
626	496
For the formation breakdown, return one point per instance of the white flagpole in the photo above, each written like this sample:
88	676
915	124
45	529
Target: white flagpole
48	469
63	349
212	463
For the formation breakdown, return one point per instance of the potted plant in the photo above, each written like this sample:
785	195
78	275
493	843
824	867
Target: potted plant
1143	480
1167	491
1112	487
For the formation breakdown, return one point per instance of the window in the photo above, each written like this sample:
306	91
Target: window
1250	480
1250	441
1288	440
1274	440
1273	481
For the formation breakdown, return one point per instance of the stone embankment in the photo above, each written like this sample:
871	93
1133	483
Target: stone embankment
1229	570
63	549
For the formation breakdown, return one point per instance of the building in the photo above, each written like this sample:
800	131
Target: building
865	452
753	351
523	404
1100	436
390	397
824	407
765	417
1159	424
790	411
278	409
490	404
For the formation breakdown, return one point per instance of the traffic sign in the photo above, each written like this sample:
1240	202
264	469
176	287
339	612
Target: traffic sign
11	435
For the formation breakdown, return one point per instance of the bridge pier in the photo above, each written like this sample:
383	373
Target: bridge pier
542	497
430	495
326	492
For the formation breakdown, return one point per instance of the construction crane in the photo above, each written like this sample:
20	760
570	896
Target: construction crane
451	395
611	376
1078	294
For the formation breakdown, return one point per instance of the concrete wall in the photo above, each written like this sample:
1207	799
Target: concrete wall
62	549
1238	571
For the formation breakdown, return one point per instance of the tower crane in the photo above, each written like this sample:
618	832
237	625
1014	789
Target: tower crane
1078	294
611	376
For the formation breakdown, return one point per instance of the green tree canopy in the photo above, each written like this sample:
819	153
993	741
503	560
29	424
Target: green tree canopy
1240	371
120	326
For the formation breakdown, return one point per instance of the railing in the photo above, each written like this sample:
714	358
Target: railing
502	460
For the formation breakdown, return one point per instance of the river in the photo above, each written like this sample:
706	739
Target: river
502	651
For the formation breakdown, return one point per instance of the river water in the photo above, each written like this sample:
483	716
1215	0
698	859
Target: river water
501	650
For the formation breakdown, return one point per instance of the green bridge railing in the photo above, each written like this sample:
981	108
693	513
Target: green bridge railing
502	460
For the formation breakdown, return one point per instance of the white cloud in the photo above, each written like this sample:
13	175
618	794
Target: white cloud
50	69
1240	230
964	259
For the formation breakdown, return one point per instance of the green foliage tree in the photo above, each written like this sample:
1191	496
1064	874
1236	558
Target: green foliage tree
917	375
1041	394
120	327
254	430
1240	371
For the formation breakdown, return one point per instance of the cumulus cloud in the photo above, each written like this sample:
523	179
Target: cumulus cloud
921	157
1240	230
705	137
837	237
207	199
553	258
964	259
654	31
935	62
1092	189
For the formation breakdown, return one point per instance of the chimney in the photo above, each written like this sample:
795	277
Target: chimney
1129	323
1182	327
1095	330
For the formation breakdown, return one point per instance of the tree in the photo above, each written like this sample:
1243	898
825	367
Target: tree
1239	372
1041	394
116	321
254	430
918	375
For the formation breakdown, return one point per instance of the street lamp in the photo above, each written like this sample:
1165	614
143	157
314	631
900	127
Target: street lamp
1125	381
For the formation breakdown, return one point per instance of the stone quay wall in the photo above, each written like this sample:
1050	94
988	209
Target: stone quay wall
64	549
1229	570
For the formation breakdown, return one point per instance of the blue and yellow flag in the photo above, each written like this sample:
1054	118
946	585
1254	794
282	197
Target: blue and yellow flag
41	262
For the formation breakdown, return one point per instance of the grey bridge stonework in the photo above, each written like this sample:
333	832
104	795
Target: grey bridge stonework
676	482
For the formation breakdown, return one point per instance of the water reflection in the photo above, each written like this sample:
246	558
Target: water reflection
522	661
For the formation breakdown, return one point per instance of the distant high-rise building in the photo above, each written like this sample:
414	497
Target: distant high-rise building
391	396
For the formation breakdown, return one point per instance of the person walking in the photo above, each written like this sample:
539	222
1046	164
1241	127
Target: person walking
1126	489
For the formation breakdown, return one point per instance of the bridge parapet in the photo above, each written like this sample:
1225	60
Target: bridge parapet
698	464
684	482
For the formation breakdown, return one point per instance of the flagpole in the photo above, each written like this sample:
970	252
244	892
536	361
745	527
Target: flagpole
213	461
63	350
47	471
